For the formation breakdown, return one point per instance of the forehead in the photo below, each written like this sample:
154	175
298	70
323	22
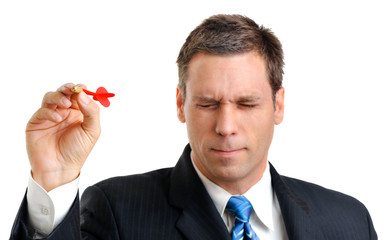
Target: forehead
227	76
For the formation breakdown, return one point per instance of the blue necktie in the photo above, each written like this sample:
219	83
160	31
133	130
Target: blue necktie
241	208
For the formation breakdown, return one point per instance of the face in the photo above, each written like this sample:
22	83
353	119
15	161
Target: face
230	117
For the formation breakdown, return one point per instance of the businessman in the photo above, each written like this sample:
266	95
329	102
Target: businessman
230	96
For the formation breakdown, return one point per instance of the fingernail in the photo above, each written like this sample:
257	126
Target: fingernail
65	87
65	101
57	116
84	100
61	89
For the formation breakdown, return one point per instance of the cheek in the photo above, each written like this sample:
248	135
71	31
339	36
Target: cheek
198	122
197	130
194	127
260	130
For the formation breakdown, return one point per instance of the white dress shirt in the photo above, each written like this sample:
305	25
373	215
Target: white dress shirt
266	218
47	209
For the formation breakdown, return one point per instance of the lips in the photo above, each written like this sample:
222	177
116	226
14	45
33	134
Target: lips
227	152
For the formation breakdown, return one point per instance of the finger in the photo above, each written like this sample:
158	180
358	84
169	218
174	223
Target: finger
73	100
67	88
54	100
48	114
91	115
61	98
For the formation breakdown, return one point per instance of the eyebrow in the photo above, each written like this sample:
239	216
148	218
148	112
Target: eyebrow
203	99
248	99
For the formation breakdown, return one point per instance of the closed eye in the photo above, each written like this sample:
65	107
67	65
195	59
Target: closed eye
247	105
248	101
208	106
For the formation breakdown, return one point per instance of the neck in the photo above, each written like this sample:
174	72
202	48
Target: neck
241	186
234	185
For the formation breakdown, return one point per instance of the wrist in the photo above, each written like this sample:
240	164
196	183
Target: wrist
52	180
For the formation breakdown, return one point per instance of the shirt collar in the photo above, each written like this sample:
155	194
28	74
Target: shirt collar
260	196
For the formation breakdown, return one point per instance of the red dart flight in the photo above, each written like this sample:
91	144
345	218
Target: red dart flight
101	95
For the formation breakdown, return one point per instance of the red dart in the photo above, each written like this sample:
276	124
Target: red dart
100	95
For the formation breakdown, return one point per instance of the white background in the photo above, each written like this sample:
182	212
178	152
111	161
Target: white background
333	132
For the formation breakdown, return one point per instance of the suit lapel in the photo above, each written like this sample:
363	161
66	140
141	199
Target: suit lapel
199	218
295	211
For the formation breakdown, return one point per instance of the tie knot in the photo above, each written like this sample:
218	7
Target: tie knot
240	207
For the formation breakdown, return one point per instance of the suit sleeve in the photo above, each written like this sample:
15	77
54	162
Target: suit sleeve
372	232
69	228
97	217
96	221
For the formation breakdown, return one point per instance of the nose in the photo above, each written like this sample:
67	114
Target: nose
226	121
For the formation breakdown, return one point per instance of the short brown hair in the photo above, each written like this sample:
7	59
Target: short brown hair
228	35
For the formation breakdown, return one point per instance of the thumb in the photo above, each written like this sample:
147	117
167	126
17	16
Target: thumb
91	115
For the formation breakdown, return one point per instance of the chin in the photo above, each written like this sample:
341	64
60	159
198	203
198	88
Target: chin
232	173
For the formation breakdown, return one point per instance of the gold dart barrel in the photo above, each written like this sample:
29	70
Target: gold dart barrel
76	89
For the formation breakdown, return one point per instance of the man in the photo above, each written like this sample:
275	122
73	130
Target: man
230	96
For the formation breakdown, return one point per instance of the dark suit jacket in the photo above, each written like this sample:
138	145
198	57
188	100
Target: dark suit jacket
173	204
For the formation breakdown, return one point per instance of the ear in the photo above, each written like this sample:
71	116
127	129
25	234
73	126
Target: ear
179	105
279	106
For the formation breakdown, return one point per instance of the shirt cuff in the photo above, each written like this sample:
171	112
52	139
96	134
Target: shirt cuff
46	210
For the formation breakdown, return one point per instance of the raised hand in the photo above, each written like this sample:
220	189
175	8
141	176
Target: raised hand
60	136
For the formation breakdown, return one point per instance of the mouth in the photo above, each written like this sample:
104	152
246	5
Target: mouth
227	152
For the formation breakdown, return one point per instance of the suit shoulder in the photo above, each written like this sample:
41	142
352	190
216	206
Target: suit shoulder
331	211
152	177
323	198
156	180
